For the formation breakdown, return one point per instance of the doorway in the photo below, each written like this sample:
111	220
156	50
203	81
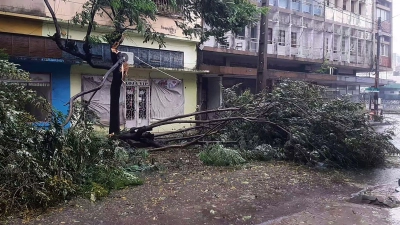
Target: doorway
137	98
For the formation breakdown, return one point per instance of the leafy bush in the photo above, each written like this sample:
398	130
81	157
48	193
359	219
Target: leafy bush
305	126
42	165
218	155
262	152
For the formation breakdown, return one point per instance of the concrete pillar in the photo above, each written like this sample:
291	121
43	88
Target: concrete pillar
214	95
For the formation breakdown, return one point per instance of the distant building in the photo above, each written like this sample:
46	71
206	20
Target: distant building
301	36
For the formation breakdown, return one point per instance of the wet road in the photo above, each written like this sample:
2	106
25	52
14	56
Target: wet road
342	212
390	175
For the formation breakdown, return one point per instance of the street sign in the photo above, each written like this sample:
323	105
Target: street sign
372	89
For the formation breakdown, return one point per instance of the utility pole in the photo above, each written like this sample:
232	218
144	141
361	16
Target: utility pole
262	67
378	57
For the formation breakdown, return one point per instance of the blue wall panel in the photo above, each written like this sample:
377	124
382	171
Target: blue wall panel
60	80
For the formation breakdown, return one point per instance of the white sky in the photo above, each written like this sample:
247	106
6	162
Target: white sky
396	26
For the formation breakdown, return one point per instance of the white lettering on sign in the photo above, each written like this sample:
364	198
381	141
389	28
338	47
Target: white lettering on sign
30	84
137	83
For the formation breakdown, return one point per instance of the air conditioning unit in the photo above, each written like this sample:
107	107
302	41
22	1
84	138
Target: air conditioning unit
129	57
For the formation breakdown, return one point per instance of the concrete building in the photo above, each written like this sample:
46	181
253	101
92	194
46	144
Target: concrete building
150	94
301	36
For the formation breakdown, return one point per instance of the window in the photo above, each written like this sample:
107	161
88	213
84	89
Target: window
327	45
296	5
293	37
241	33
343	46
344	4
383	14
164	8
353	46
359	48
254	32
281	38
41	84
307	6
269	35
335	44
384	50
283	4
353	7
327	2
361	8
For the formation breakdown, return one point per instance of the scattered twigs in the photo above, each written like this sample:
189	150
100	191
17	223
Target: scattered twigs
178	131
217	127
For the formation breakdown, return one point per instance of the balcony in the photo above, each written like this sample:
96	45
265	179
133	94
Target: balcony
165	9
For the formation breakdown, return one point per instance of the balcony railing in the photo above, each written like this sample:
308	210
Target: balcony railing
165	9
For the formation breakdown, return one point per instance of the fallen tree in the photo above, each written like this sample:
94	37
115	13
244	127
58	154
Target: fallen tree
294	122
139	17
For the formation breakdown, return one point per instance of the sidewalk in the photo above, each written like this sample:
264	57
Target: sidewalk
337	214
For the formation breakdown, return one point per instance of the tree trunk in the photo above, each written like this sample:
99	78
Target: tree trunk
115	92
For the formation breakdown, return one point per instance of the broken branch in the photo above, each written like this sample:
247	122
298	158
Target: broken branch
74	52
71	100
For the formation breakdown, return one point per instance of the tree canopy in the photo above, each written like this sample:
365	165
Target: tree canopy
189	15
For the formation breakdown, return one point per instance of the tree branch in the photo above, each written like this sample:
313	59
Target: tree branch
86	45
192	142
108	14
57	39
178	131
188	115
71	100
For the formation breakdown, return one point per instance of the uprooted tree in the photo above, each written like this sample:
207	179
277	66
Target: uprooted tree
138	16
293	122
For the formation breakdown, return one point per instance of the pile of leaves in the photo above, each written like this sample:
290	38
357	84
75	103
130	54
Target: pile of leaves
41	163
218	155
296	122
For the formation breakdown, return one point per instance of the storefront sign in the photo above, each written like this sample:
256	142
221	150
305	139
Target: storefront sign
137	83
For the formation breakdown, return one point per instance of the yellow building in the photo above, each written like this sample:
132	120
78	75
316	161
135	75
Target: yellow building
160	83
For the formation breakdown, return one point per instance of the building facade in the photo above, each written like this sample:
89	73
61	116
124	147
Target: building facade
302	36
161	82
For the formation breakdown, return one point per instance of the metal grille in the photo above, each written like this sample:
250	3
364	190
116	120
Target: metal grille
130	102
143	103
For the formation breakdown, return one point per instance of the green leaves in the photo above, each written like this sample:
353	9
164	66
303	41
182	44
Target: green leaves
139	15
301	125
10	71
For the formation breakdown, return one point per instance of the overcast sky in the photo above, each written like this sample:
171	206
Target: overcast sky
396	26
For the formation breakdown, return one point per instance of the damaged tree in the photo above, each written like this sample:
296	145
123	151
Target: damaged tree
138	16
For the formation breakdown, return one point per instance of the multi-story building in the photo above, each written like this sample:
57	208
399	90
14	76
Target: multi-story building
150	93
301	36
384	9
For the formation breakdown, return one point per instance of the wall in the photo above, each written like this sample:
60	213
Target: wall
60	80
66	9
29	7
189	82
188	47
20	26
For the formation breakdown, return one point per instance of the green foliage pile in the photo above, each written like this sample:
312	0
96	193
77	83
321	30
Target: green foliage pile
297	123
41	165
218	155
